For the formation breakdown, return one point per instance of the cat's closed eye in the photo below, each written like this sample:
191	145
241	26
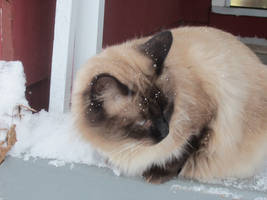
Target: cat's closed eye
144	123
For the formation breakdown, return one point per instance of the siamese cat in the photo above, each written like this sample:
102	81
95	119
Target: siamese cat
190	101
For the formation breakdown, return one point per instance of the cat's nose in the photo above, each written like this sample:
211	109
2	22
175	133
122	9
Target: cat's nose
163	128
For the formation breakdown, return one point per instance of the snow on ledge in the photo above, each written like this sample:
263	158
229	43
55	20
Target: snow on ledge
12	87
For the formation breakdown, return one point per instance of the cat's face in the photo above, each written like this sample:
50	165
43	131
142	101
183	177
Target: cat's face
122	112
137	111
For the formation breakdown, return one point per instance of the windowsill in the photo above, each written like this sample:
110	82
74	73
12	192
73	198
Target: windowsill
239	11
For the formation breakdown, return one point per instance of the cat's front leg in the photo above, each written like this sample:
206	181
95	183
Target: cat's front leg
160	174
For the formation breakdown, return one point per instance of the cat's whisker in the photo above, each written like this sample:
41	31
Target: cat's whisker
128	147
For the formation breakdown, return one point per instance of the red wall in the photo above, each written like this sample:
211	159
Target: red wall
126	19
28	36
240	25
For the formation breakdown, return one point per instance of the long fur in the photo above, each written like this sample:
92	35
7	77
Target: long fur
212	78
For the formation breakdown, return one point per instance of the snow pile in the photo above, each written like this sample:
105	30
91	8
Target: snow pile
12	89
39	135
52	136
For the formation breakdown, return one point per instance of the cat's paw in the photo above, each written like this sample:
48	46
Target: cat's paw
157	179
159	175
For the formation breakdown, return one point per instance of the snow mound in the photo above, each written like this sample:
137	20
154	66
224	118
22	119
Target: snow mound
52	136
12	87
40	135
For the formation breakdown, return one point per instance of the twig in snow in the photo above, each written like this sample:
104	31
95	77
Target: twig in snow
6	145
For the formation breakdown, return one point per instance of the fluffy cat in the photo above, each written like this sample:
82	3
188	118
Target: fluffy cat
191	101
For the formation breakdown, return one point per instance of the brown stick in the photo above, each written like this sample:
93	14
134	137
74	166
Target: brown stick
10	141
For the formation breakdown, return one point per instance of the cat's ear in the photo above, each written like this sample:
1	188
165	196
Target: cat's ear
107	83
106	92
157	49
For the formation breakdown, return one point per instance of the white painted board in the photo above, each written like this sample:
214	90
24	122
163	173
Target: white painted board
78	36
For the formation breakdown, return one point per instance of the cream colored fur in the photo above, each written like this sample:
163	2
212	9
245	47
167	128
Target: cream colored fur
211	76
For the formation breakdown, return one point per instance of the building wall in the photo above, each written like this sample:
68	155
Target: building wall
27	35
126	19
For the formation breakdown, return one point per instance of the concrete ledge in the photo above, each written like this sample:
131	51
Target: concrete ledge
33	180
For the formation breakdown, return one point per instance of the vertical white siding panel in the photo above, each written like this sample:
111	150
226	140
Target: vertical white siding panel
78	36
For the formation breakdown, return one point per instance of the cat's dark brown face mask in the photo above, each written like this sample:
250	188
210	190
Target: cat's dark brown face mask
126	111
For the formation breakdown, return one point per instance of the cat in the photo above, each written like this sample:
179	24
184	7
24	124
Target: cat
190	101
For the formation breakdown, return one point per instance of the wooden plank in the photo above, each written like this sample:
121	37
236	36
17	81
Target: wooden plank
78	36
7	44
